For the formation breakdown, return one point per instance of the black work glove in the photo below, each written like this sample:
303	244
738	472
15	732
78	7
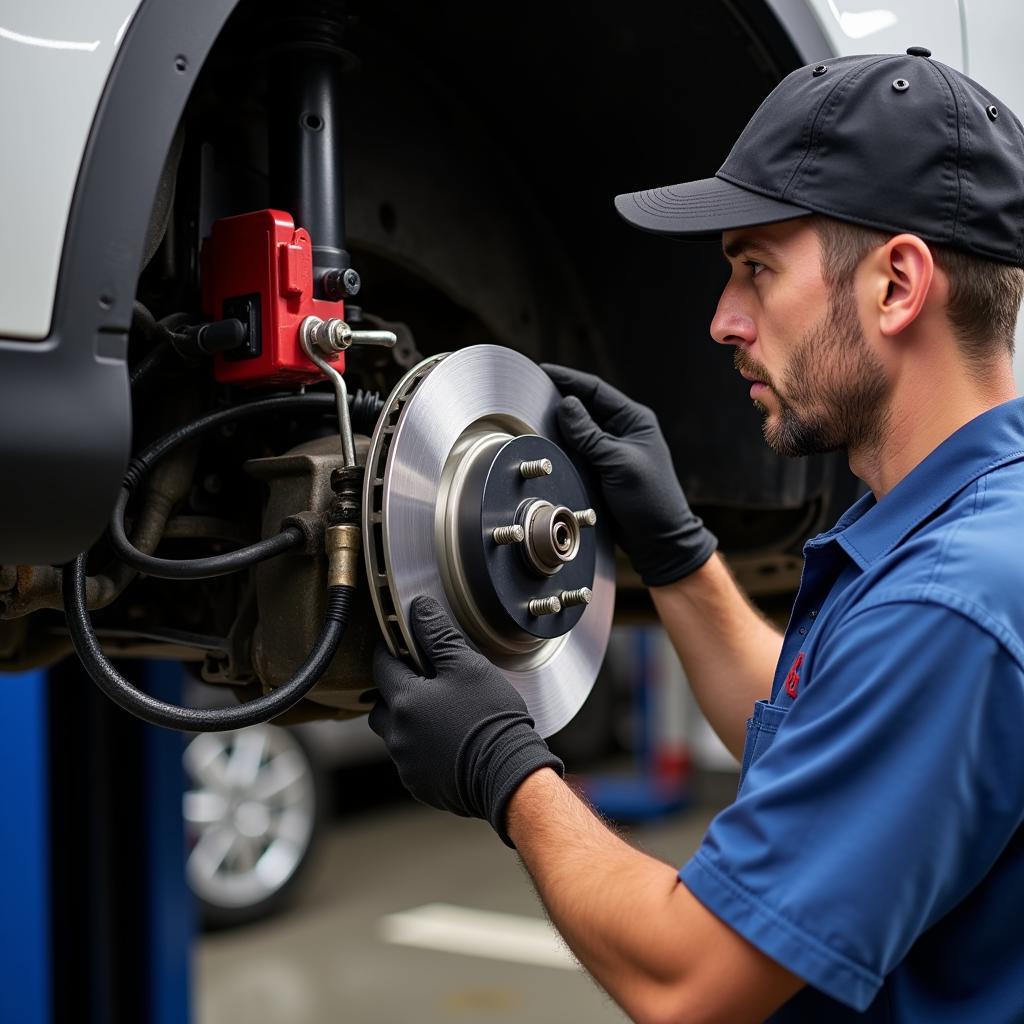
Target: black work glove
622	442
462	739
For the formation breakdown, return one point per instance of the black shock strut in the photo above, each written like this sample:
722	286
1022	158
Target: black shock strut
307	83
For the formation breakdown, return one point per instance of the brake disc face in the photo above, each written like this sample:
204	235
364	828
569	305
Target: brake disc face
470	499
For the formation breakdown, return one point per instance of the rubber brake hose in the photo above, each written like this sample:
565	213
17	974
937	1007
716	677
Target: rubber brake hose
368	406
173	716
158	334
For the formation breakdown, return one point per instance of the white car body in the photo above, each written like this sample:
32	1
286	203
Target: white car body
56	56
55	59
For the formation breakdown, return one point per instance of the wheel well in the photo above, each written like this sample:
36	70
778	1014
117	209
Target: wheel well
482	155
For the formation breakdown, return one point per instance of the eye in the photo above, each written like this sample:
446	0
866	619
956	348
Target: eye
755	267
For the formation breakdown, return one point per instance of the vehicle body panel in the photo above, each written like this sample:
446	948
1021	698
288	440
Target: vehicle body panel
55	59
874	26
65	418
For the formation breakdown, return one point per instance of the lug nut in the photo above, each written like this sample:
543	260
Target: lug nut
586	517
569	598
508	535
545	606
535	468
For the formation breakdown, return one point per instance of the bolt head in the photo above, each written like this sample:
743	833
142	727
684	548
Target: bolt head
352	282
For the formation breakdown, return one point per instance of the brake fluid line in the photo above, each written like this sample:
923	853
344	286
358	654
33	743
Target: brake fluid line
341	541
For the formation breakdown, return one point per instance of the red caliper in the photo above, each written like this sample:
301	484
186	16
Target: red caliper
258	268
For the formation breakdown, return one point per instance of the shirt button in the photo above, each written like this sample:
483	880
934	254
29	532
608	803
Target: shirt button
812	613
803	630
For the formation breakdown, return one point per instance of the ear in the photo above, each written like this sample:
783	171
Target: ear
905	272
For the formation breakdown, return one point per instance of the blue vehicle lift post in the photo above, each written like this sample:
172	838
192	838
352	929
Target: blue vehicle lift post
98	920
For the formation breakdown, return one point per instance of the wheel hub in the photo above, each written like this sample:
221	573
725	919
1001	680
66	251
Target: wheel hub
493	583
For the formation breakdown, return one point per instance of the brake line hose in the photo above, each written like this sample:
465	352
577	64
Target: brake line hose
343	542
366	407
173	716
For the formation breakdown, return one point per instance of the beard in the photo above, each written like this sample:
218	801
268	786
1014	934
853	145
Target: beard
834	392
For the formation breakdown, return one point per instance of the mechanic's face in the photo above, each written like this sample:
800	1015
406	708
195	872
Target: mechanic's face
815	378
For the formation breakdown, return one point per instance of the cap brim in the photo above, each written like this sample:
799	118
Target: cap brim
702	209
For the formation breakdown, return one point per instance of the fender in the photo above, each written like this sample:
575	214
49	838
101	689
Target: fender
65	416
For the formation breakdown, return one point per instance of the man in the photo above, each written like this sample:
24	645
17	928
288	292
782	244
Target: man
872	865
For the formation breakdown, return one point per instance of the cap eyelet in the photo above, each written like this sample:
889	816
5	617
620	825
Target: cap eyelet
993	112
901	85
819	69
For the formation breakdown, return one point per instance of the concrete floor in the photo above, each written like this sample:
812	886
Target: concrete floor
328	960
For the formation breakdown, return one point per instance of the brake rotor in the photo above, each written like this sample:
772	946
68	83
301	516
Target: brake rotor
468	444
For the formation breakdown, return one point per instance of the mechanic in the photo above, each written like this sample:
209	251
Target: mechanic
872	864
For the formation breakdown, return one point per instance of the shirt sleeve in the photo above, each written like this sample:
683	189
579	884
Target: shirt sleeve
891	787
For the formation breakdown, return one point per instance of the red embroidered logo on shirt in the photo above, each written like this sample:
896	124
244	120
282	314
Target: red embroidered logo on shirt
793	678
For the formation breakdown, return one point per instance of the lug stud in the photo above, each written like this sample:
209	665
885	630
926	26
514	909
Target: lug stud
545	606
535	468
508	535
569	598
586	517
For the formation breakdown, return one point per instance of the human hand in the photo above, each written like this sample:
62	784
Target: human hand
462	739
624	445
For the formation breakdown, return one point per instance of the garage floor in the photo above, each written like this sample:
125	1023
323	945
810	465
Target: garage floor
392	895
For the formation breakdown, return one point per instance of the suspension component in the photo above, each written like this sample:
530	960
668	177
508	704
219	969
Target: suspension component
306	134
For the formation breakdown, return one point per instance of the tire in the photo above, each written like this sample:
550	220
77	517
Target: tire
254	810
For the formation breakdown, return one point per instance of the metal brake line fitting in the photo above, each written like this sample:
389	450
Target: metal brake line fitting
320	338
343	544
334	335
343	536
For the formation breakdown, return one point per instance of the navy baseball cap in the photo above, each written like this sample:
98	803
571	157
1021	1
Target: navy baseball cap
895	142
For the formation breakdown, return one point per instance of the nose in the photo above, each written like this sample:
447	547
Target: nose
730	325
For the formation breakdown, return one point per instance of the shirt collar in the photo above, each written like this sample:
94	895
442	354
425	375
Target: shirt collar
869	529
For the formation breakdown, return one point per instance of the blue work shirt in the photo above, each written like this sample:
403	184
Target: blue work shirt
875	846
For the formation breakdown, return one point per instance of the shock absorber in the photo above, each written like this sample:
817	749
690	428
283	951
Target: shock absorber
284	272
307	84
